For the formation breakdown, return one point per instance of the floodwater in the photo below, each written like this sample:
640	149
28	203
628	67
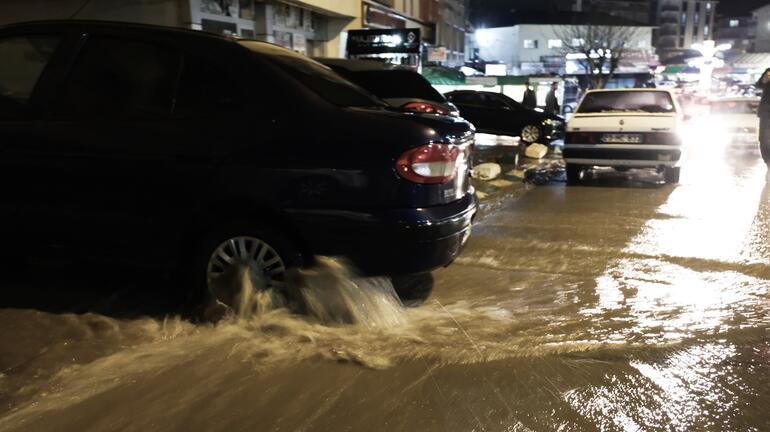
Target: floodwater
619	305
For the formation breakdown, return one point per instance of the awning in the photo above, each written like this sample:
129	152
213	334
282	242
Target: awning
750	61
438	75
674	69
512	80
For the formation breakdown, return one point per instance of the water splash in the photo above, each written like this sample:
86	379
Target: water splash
330	292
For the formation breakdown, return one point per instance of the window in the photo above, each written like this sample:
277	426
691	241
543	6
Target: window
394	84
554	43
734	107
23	61
205	90
734	23
492	101
316	77
578	42
118	77
530	43
620	101
466	98
706	30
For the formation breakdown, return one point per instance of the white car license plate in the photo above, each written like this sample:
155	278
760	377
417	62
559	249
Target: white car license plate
622	138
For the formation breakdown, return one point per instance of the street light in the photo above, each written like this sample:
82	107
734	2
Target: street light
708	61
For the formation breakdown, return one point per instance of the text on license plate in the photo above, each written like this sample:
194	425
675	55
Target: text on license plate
622	138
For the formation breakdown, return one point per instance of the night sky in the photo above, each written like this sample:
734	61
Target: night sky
486	10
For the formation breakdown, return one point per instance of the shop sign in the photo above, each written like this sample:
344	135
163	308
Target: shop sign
220	27
437	54
383	41
298	43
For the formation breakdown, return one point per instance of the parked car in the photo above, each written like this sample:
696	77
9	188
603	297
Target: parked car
176	148
628	128
398	86
737	116
498	114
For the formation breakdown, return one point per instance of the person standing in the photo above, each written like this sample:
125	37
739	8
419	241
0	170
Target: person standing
551	103
530	99
764	119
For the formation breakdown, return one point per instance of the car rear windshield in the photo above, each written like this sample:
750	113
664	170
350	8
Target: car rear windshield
319	78
734	107
627	101
395	84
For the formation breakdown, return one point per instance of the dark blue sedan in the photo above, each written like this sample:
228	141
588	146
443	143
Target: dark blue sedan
189	150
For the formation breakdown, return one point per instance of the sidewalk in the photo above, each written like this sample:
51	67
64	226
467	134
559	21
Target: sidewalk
517	172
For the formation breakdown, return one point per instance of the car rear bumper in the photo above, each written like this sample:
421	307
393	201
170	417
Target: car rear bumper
383	242
629	155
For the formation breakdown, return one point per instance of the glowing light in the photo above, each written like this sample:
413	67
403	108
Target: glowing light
708	61
484	37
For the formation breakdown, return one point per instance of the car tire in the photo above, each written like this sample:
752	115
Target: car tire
413	289
530	134
671	175
574	174
236	250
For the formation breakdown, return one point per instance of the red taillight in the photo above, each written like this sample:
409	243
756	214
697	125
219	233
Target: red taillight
430	164
424	107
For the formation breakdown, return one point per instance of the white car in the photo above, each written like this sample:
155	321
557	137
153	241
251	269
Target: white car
737	117
625	128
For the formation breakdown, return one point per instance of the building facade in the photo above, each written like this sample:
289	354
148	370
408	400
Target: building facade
639	11
313	27
442	24
682	23
529	49
739	32
762	18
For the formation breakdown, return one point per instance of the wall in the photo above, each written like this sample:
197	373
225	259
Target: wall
160	12
763	29
499	44
343	15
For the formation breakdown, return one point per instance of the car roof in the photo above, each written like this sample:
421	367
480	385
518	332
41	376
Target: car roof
664	90
474	91
93	25
358	65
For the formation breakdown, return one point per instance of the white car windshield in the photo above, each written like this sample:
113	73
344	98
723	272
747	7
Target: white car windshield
627	101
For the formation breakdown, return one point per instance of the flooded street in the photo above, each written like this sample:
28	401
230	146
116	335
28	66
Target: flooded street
622	304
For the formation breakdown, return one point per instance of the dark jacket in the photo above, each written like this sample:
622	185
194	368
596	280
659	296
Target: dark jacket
764	103
551	103
530	99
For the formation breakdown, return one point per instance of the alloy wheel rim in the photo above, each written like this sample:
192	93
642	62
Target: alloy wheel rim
263	261
530	133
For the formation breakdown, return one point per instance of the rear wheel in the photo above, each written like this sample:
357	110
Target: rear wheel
414	289
574	174
234	264
530	134
671	175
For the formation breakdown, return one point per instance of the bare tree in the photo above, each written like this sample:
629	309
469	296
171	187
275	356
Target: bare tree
598	49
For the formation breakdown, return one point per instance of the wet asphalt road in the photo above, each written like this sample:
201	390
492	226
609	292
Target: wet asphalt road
619	305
